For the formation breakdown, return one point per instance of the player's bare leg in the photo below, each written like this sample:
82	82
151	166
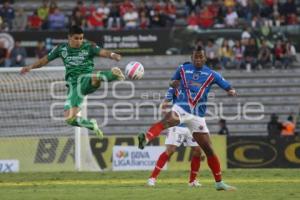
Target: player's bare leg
171	119
203	139
162	160
72	119
195	166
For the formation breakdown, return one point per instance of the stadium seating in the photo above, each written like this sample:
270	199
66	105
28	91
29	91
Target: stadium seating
277	90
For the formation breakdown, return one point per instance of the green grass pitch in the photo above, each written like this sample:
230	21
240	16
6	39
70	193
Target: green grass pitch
256	184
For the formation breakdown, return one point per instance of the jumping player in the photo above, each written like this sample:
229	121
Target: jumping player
77	56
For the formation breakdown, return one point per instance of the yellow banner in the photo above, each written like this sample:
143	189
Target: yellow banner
57	153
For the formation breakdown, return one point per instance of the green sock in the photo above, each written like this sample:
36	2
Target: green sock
106	76
81	122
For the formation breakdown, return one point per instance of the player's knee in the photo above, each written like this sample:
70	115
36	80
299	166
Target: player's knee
170	151
96	83
197	151
71	120
208	150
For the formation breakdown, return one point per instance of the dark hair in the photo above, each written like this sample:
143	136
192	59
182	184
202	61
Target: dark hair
223	121
290	118
211	40
198	48
75	30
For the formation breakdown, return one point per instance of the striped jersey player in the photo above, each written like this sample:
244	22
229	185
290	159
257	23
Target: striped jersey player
194	81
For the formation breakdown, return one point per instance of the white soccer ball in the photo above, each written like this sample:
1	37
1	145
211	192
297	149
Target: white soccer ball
134	70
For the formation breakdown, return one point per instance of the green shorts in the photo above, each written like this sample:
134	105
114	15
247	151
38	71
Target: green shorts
78	90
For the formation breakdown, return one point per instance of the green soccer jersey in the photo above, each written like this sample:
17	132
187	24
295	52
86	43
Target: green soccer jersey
78	61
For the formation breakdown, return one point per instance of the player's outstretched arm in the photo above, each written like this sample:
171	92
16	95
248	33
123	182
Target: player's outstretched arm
109	54
38	64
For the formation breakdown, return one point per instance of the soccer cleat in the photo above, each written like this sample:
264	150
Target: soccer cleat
142	140
223	186
151	182
118	72
195	183
96	129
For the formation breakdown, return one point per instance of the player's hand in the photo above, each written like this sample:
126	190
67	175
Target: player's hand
116	57
25	70
175	83
232	92
165	107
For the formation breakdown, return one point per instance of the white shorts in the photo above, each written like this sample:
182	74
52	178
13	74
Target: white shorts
193	123
180	135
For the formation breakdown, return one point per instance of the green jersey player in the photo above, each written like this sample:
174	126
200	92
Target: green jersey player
77	56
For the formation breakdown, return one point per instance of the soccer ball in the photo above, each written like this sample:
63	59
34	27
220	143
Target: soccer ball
134	70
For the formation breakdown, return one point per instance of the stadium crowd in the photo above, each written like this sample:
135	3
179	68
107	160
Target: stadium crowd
249	52
128	14
257	47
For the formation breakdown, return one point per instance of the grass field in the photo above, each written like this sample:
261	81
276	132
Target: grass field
265	184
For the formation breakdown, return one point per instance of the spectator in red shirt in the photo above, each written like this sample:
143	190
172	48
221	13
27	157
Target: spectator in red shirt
292	19
126	6
34	21
192	21
170	12
214	8
206	18
269	2
95	21
144	20
158	7
279	53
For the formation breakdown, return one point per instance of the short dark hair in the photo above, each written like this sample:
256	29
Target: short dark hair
75	30
290	118
198	48
223	121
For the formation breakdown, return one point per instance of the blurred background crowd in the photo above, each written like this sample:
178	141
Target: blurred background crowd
257	47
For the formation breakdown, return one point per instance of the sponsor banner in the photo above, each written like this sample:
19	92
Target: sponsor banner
126	42
263	152
129	42
8	166
39	154
48	154
180	160
132	158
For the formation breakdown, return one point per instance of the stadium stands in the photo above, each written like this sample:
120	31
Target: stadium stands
246	13
277	90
